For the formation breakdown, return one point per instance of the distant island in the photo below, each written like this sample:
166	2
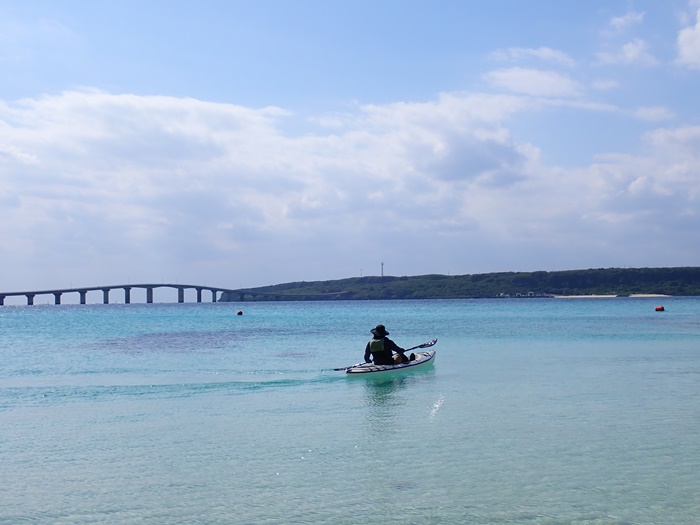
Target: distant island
678	281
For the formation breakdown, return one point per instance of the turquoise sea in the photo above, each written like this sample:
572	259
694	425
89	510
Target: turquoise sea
537	411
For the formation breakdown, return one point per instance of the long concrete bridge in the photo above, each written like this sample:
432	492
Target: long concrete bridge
227	294
58	293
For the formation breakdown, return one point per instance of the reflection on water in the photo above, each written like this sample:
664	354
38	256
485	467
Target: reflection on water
381	390
385	396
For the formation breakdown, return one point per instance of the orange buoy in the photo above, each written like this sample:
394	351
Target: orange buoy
659	309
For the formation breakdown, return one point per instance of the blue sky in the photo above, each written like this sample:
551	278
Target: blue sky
249	143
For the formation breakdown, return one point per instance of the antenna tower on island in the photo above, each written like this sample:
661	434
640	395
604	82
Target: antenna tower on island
382	269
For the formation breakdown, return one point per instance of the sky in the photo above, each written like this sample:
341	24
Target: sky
239	144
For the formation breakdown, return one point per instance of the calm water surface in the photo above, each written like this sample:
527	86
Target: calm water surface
537	411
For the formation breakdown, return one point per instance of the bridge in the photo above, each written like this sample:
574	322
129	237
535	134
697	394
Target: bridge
227	294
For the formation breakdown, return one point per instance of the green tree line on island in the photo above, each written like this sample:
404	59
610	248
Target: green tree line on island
604	281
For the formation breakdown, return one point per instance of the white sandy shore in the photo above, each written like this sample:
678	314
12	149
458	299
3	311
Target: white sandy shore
583	296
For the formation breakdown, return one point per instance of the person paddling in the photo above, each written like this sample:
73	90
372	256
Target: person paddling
380	348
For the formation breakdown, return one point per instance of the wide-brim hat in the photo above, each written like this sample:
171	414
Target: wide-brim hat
379	330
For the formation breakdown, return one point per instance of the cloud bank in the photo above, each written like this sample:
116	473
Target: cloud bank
94	184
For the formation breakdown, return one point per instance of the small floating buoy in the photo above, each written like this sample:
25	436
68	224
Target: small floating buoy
239	312
659	309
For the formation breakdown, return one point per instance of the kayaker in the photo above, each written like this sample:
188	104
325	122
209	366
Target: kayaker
380	348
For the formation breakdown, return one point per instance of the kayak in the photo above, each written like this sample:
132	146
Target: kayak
422	360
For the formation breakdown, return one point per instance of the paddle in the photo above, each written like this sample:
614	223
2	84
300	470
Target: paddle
424	345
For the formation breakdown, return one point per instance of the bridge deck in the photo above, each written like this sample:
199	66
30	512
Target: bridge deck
226	293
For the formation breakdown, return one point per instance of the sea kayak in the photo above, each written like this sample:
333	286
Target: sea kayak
422	360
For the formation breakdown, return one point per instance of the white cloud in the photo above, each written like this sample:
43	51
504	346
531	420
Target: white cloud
635	52
689	45
541	53
619	23
681	143
151	188
8	150
534	82
122	181
605	84
653	113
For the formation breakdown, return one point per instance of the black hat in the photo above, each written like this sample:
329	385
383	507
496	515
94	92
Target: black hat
379	331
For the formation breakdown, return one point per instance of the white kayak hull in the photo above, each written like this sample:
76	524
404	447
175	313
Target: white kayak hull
423	360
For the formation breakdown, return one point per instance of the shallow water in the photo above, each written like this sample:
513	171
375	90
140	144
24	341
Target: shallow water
537	411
